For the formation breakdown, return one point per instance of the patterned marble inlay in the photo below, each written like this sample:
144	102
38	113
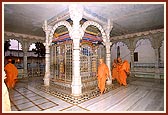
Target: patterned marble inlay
72	99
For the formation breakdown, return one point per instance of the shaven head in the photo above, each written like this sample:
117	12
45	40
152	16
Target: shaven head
119	59
9	60
101	60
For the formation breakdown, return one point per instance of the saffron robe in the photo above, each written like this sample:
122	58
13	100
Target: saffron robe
103	73
123	69
126	67
11	75
115	72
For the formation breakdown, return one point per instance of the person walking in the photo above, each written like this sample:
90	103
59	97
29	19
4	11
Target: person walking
11	74
103	74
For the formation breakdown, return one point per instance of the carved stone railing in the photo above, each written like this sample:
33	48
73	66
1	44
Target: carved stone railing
144	65
147	65
161	65
149	70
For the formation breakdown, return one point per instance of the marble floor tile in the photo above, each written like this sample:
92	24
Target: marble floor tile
47	105
34	108
40	101
141	94
21	101
35	97
25	105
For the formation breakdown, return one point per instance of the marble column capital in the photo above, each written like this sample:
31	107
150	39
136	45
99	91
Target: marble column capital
76	12
46	27
131	49
156	40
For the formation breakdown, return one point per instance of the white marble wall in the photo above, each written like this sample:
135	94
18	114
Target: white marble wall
124	51
145	51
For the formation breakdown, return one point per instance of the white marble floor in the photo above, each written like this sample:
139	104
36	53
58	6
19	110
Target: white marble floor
141	95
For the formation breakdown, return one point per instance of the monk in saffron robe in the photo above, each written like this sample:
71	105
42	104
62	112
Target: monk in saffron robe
123	69
115	71
126	67
11	74
103	74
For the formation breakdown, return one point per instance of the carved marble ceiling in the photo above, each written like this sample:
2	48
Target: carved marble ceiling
127	18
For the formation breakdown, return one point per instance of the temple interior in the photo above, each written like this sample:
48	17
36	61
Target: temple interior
59	74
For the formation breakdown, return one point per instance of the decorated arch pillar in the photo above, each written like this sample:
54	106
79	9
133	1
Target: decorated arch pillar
25	49
156	42
47	55
132	60
108	56
108	45
76	33
157	53
131	47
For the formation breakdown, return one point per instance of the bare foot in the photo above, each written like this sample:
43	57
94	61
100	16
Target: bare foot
126	86
105	90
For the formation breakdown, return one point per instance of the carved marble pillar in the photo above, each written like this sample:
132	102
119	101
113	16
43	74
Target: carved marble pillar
108	56
131	46
156	57
76	78
47	55
76	33
25	48
25	63
108	44
47	66
157	71
132	61
156	44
